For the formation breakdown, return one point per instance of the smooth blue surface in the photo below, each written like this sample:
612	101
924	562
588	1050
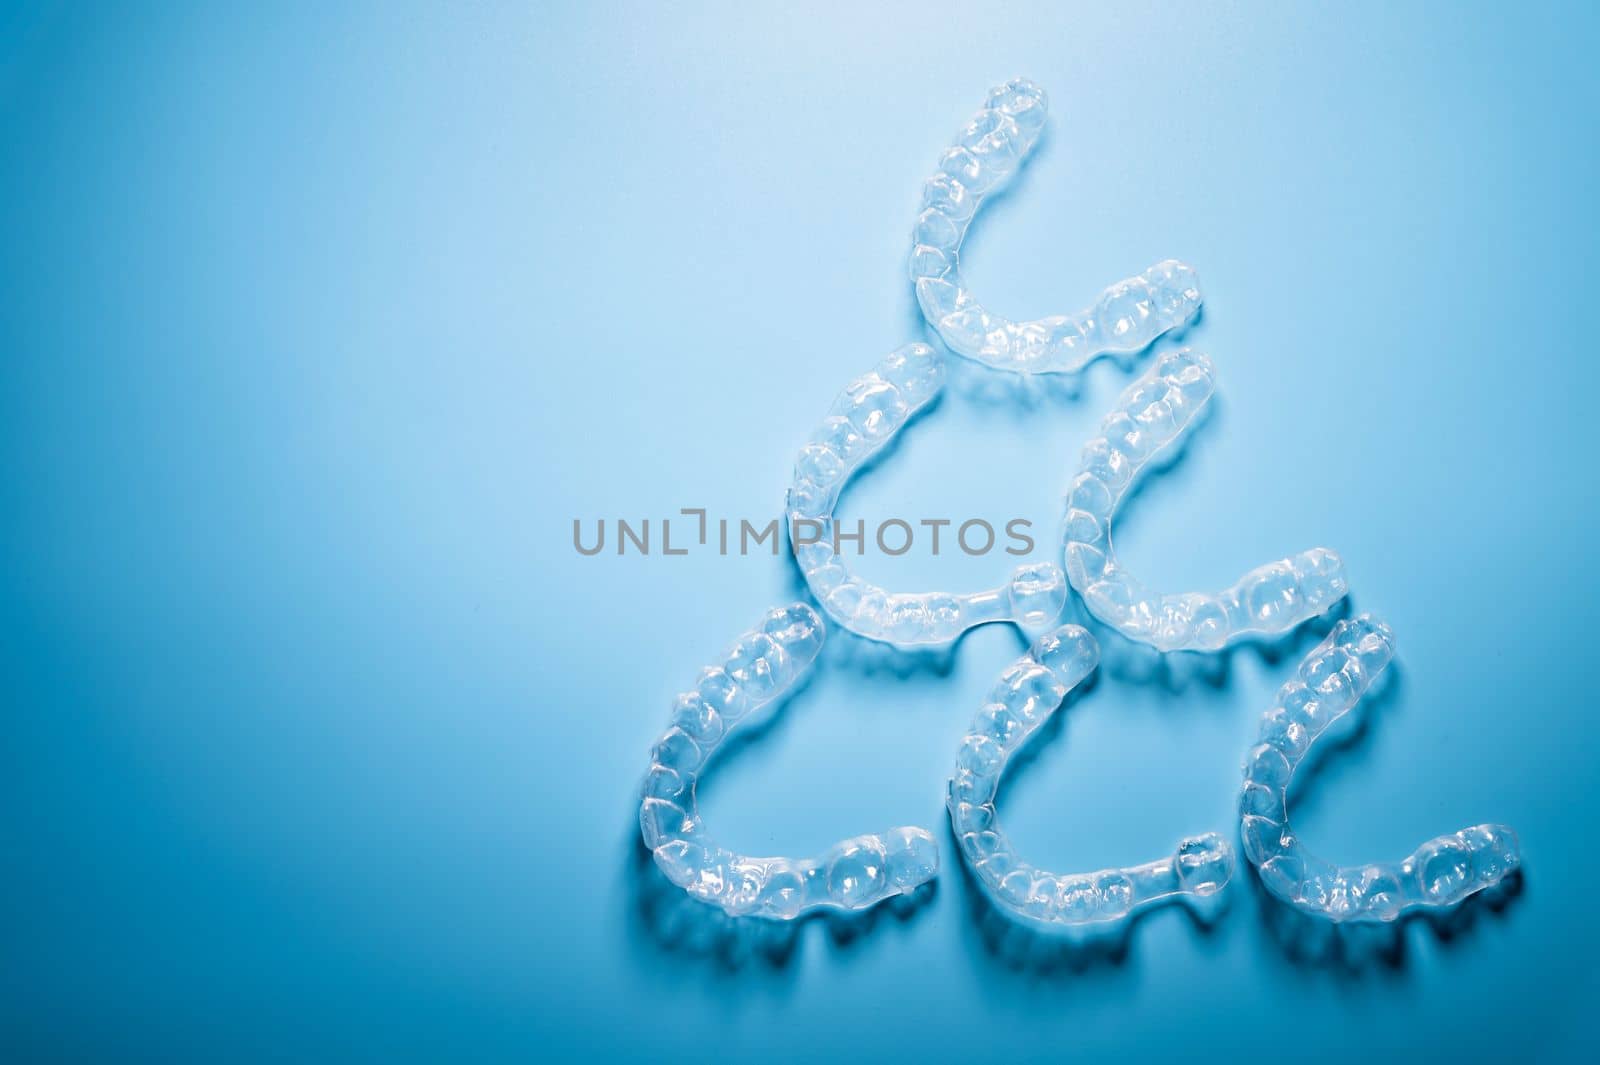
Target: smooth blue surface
319	328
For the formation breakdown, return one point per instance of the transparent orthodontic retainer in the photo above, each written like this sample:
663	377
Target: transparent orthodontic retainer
1441	873
1152	415
762	666
864	418
1074	904
1127	317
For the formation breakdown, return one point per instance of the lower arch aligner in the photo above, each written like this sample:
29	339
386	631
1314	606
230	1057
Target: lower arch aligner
761	667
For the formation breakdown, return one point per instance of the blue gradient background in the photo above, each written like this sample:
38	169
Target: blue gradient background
320	327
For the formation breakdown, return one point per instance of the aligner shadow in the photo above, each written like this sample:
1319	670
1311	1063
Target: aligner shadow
1017	947
988	386
1131	662
1360	949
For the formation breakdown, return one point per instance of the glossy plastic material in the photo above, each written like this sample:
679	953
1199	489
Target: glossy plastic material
1439	874
1024	698
1152	415
762	666
862	421
1127	316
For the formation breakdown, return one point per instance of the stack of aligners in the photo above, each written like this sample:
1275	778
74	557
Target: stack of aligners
1441	872
1023	699
1128	315
862	421
762	666
1152	415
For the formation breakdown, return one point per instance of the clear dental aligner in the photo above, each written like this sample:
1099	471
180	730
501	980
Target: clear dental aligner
1440	873
863	419
1127	316
1151	415
761	666
1028	692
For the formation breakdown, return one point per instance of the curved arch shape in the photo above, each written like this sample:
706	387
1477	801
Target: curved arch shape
1127	316
1440	873
762	665
1153	414
1028	692
861	422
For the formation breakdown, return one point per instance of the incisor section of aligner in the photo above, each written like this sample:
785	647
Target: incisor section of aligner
1028	692
761	666
1127	316
1440	873
1151	416
863	419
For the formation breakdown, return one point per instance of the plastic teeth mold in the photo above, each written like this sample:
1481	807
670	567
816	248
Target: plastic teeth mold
863	419
1440	873
1127	316
762	666
1152	414
1028	692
